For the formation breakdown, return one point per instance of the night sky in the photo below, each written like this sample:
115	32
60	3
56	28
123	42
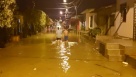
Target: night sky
50	6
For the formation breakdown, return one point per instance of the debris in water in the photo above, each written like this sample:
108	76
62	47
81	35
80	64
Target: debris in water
35	69
125	63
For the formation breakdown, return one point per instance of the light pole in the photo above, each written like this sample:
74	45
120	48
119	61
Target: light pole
76	10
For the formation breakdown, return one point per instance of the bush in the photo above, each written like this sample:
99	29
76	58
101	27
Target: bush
94	32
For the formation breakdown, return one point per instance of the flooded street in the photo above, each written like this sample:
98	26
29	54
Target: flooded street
41	56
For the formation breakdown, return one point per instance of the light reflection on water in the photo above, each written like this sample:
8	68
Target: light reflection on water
63	56
64	52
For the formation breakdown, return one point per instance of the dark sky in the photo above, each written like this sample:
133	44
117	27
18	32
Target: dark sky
51	7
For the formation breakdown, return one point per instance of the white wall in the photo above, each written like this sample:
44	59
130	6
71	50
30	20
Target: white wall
126	28
87	21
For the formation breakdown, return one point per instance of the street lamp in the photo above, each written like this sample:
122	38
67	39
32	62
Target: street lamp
64	1
61	12
66	10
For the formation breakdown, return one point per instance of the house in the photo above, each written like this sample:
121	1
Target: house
102	17
125	23
89	20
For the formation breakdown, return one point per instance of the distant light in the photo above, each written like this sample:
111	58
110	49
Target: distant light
61	12
65	1
19	20
66	10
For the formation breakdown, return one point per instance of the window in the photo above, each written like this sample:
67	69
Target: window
91	21
123	11
112	18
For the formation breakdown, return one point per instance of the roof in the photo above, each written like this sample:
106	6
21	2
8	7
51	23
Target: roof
87	11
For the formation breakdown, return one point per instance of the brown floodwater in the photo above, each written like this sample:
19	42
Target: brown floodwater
41	56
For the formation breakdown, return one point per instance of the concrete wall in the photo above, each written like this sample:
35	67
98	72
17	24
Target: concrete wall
113	28
87	21
126	28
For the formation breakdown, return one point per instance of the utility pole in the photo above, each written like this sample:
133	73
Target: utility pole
75	10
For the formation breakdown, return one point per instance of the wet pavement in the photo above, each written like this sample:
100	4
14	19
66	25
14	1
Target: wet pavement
41	56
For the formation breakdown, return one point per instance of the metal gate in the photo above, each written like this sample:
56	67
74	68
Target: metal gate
134	26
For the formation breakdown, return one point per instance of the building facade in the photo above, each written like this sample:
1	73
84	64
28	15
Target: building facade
90	17
102	18
125	23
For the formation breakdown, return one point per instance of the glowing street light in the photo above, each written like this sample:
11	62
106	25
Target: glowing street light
66	10
64	1
61	12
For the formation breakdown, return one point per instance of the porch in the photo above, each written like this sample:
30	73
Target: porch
117	49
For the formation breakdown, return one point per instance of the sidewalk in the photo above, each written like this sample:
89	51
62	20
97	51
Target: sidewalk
129	46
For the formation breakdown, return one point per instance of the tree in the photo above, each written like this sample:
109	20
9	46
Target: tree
49	21
39	18
7	8
35	20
